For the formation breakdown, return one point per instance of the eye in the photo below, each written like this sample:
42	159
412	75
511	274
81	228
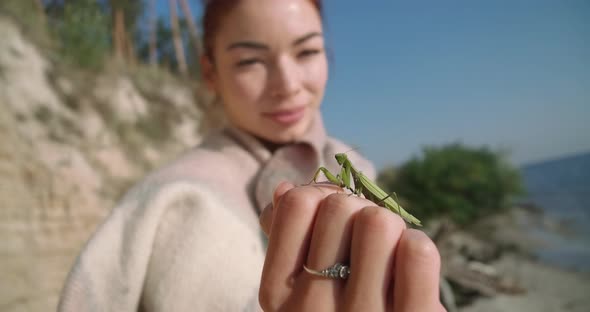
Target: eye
247	62
308	53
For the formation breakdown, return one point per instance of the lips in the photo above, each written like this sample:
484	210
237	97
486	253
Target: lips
286	117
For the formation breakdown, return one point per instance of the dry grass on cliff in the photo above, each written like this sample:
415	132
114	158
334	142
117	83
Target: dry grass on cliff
71	143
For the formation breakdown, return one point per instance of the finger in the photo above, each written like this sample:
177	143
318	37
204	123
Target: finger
332	231
417	273
289	238
265	218
375	234
280	190
330	244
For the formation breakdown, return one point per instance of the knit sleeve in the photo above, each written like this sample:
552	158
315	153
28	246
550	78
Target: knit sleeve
177	248
204	258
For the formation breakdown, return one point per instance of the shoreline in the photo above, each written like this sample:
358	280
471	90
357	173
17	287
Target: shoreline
547	289
496	264
548	239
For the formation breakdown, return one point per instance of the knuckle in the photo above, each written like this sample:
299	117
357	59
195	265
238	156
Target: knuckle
330	207
296	201
420	247
335	203
336	199
378	219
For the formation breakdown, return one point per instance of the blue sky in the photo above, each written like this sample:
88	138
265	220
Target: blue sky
513	75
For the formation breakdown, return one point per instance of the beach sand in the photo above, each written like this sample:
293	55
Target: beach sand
548	288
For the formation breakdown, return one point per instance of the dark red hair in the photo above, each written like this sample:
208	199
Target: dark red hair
213	13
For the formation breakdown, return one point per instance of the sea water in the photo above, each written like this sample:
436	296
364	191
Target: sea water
561	188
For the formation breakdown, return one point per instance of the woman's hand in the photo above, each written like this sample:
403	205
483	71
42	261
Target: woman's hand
392	268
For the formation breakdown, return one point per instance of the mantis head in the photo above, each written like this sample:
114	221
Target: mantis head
341	158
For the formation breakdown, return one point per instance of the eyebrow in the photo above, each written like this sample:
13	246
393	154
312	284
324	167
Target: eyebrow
307	37
260	46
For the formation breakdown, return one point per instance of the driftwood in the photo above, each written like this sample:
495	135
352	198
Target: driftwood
467	264
483	278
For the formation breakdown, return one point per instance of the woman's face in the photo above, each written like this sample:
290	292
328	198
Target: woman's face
270	67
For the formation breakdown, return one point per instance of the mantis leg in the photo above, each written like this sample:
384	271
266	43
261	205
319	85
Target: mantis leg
358	189
345	175
384	198
396	207
334	179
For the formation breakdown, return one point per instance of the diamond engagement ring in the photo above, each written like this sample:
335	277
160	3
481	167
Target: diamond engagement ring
338	270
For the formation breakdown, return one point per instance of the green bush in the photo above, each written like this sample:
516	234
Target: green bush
83	33
461	182
27	14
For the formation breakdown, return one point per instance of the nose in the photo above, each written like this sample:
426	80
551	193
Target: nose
285	78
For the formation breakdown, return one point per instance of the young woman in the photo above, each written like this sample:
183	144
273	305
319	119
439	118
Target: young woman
187	238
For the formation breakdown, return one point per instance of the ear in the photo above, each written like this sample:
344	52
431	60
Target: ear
208	73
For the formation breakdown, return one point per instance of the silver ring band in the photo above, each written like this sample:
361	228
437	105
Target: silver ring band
336	271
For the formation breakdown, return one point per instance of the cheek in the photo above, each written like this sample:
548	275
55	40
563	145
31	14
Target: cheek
247	86
316	75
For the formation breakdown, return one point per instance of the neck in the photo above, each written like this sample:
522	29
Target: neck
269	145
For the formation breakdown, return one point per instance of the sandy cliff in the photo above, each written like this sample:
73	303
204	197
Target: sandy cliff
70	143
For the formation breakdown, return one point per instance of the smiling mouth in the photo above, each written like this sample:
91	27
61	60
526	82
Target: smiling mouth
286	117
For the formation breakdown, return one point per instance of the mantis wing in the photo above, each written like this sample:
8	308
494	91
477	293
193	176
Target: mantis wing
374	193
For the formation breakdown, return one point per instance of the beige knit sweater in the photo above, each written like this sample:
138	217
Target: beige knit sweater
187	237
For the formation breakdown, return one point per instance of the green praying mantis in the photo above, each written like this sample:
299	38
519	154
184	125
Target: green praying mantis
363	185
